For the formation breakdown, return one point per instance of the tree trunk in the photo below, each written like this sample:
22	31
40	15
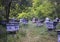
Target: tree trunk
7	9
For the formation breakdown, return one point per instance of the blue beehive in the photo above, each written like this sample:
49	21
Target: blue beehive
25	21
3	22
58	33
12	26
49	25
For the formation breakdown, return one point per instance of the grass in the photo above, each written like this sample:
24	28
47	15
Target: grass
3	36
32	33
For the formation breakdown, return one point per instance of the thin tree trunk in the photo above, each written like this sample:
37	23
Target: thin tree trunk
7	8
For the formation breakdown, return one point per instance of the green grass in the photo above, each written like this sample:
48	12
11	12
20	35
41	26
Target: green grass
32	33
3	36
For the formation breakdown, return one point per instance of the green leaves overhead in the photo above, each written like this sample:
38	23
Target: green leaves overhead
41	8
46	8
34	8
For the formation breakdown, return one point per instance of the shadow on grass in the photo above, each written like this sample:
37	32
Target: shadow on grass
3	35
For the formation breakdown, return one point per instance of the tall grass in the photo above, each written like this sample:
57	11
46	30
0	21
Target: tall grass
32	33
3	35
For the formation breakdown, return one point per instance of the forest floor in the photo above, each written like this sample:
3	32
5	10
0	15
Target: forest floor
32	33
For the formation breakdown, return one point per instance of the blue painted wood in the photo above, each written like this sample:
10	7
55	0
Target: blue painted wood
49	25
12	26
58	34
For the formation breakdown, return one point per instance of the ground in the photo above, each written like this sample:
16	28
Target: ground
32	33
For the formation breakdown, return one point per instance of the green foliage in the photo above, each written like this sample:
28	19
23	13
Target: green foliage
33	8
22	15
46	8
42	9
36	3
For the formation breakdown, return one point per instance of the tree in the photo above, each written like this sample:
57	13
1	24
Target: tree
6	4
57	5
43	8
